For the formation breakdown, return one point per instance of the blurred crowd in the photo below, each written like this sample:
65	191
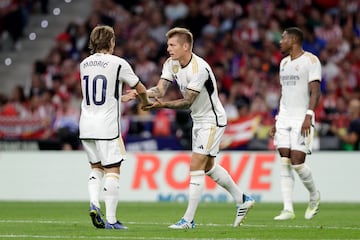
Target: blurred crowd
14	17
239	39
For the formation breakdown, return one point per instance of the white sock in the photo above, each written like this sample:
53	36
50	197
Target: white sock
111	195
94	186
196	188
287	183
305	175
222	177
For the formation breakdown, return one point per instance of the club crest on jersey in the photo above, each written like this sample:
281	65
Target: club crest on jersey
175	68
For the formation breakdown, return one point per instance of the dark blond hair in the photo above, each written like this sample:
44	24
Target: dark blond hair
100	38
183	34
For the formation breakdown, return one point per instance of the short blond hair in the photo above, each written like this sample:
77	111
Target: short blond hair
100	38
183	34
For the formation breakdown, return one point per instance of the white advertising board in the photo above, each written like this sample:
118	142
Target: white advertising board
163	176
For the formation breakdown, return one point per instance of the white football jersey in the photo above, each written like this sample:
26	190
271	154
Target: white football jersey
102	76
197	76
295	75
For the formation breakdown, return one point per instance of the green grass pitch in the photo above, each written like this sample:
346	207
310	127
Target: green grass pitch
70	220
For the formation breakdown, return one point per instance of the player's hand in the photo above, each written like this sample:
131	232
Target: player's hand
154	105
305	128
272	131
130	95
146	103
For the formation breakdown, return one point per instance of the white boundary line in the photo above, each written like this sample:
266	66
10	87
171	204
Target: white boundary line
208	224
13	236
108	237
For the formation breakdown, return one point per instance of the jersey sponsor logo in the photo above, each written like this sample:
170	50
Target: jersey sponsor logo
289	80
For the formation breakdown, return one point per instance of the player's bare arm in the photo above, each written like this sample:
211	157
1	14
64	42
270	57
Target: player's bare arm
136	91
131	95
314	91
159	90
315	94
183	103
142	93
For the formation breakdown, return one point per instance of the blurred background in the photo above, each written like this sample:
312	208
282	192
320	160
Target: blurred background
43	41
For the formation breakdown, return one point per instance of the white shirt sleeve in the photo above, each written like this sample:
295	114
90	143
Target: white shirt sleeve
166	71
127	74
314	68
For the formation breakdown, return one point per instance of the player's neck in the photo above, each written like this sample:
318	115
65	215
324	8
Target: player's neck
185	60
104	51
295	53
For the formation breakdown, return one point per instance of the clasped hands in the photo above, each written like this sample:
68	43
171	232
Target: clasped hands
132	94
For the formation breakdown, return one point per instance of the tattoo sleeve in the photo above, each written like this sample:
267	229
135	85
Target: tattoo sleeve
183	103
153	92
159	90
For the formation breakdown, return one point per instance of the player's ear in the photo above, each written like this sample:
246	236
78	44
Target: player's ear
294	38
186	46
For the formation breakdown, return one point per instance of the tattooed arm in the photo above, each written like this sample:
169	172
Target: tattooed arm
159	90
183	103
155	92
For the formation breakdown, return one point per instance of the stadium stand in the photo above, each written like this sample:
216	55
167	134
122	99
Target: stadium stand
238	38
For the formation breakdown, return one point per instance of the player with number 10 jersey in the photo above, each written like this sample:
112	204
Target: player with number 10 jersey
102	77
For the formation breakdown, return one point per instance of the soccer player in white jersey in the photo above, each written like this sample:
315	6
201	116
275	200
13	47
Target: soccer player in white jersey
300	76
198	86
102	77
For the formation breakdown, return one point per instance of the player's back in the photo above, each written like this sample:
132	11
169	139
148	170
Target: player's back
100	107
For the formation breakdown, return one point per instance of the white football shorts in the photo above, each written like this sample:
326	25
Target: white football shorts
288	135
107	152
206	138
